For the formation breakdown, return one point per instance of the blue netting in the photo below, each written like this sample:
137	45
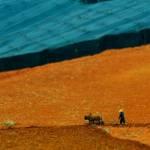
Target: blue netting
68	28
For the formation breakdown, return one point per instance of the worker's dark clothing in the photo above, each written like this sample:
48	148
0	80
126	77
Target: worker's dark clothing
122	118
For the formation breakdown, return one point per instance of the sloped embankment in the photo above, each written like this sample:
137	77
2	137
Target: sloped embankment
62	93
65	138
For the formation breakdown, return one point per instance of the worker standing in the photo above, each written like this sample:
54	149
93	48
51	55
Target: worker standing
122	117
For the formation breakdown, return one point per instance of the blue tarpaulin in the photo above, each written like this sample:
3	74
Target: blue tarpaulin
35	32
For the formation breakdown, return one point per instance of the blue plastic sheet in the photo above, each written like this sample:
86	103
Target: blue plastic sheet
34	32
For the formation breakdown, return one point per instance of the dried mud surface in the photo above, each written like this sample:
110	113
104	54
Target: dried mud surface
60	94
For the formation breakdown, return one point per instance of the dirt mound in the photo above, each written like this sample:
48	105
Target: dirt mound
65	138
62	93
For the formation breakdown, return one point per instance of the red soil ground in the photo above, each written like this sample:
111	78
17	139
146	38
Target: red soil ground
62	93
141	134
63	138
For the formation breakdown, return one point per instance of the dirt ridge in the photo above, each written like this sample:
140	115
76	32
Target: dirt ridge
74	137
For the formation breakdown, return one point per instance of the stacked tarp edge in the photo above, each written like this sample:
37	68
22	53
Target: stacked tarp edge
76	50
42	31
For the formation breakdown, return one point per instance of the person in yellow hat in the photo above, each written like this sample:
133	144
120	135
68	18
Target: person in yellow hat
122	117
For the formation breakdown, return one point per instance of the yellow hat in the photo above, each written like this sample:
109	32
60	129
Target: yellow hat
121	110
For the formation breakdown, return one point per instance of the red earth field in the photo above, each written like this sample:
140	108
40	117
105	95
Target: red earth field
64	138
60	94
